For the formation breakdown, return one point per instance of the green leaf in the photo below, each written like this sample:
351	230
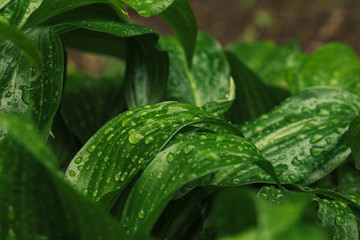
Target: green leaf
147	70
3	3
40	97
182	20
333	64
148	8
89	104
209	78
337	219
52	8
253	97
187	162
29	50
269	61
306	133
354	140
127	144
36	203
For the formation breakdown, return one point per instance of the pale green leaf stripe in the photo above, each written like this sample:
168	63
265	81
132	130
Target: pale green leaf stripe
3	3
27	46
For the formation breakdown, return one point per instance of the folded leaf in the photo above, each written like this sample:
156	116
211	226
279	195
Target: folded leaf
306	133
41	97
35	202
113	157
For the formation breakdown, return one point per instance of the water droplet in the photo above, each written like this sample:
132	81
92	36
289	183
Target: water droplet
316	151
91	148
292	152
106	159
148	139
123	176
316	137
78	160
295	162
293	106
161	123
128	113
188	149
170	157
108	130
95	193
141	214
292	178
159	175
135	137
340	221
80	168
72	173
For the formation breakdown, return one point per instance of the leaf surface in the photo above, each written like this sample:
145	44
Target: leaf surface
354	140
306	133
41	97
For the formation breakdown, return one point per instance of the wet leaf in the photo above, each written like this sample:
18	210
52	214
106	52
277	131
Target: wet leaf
354	140
40	97
33	188
207	81
306	133
337	219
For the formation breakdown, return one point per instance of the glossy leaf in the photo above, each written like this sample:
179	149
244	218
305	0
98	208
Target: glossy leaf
269	61
182	21
354	140
28	48
253	97
209	78
31	187
182	163
127	144
148	8
52	8
40	97
337	219
305	134
147	71
333	65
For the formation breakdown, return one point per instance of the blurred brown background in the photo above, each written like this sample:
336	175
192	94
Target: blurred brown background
311	22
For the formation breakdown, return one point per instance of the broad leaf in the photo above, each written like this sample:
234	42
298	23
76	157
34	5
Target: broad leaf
209	78
306	133
40	97
147	71
29	50
354	140
126	145
337	219
182	21
269	61
35	202
253	97
148	8
188	161
333	64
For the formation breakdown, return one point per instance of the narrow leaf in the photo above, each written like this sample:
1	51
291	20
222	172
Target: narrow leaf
305	134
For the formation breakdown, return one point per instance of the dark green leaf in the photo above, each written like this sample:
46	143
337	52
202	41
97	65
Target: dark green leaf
148	8
337	219
147	71
52	8
268	60
333	64
253	97
183	162
305	134
42	96
127	144
209	78
28	48
36	203
90	104
182	20
354	140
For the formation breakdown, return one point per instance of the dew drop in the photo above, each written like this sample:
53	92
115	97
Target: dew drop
128	113
340	221
316	151
135	137
141	214
95	193
159	175
72	173
123	176
292	178
170	157
110	137
188	149
148	139
91	148
316	137
295	162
